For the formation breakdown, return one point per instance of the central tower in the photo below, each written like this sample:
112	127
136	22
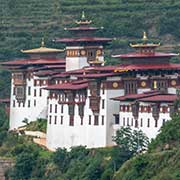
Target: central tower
84	47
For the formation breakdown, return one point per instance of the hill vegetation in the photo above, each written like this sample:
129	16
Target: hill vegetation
24	22
161	162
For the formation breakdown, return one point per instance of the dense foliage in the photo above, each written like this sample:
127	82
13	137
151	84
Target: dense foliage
24	22
162	160
38	125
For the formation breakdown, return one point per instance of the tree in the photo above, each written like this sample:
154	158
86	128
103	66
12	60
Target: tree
130	141
24	166
61	159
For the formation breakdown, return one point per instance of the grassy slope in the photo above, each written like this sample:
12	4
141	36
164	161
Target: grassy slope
24	22
162	160
155	166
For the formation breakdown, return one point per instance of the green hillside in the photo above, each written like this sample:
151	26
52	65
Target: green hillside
162	160
24	22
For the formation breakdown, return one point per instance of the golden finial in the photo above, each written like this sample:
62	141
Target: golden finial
155	84
144	36
83	15
42	42
83	20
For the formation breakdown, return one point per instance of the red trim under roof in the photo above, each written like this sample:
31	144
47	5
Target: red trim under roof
143	55
67	86
34	61
84	39
6	100
93	75
82	28
160	98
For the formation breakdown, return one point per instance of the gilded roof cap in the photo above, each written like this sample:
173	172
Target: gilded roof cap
42	49
144	42
83	20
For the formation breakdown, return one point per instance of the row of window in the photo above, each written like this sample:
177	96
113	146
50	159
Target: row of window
19	91
132	122
128	108
71	120
23	103
62	107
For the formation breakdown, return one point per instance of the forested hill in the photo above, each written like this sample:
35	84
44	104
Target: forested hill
24	22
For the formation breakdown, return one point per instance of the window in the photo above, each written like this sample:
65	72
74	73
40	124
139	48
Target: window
156	123
103	104
160	84
141	122
102	120
89	119
50	109
55	108
29	103
61	119
40	92
20	91
127	121
50	119
148	122
34	102
29	90
132	121
103	90
34	92
55	119
163	121
14	90
81	121
130	87
116	116
124	121
96	120
62	108
71	121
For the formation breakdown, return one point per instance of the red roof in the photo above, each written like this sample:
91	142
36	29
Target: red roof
61	75
144	55
51	67
46	73
67	86
150	96
135	96
84	39
147	66
160	98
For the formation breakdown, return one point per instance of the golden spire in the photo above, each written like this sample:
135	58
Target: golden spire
144	43
83	20
42	42
83	15
145	36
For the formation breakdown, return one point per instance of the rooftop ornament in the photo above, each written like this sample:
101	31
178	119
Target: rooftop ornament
42	49
83	20
145	43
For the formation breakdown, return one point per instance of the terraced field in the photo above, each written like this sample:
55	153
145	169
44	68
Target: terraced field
24	22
